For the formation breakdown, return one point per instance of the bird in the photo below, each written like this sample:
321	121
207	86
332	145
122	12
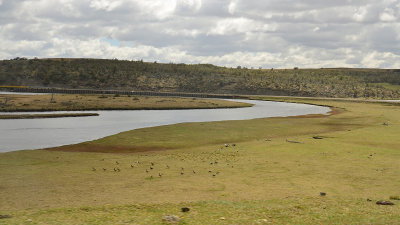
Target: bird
182	168
152	163
93	169
118	170
147	171
116	162
182	173
151	167
194	171
167	167
209	171
104	169
115	170
159	174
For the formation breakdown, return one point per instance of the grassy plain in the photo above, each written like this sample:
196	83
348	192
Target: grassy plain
264	179
71	102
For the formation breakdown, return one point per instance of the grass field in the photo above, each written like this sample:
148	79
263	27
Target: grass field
71	102
273	175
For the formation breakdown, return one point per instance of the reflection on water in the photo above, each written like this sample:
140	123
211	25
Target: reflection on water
41	133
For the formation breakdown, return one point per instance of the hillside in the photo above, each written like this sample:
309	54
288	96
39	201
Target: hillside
204	78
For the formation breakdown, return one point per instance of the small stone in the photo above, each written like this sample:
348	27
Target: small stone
322	193
171	219
28	220
381	202
222	218
5	216
185	209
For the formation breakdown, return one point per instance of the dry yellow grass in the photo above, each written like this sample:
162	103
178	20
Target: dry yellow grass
66	102
263	177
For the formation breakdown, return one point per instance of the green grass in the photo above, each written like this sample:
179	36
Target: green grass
262	179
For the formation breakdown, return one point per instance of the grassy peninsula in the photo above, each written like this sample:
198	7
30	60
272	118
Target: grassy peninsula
71	102
261	171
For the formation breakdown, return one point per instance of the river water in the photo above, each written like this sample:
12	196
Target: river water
21	134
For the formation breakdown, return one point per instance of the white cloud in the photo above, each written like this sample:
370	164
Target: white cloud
251	33
388	15
106	5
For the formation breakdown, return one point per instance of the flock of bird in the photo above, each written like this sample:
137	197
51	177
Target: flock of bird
150	168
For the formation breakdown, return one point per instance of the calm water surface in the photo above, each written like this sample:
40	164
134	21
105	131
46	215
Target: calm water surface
20	134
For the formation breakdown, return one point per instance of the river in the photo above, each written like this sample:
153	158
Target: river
23	134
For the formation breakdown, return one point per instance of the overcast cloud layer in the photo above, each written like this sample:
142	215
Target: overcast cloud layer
251	33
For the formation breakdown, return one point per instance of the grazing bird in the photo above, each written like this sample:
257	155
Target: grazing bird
151	177
209	171
115	169
182	168
116	162
194	171
147	171
104	169
211	163
93	169
151	167
167	167
159	174
118	170
233	145
182	173
216	162
152	163
214	175
131	166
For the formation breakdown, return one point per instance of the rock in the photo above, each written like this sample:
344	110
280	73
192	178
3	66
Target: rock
28	220
185	209
317	137
5	216
226	145
222	218
233	145
381	202
322	193
171	219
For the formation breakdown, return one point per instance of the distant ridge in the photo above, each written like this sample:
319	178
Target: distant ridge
199	78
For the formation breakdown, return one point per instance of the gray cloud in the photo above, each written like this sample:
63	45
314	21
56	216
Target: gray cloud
273	33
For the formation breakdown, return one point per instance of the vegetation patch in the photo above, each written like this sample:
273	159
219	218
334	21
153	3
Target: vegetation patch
228	172
72	102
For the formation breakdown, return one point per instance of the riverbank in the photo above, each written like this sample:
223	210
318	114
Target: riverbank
73	102
274	173
38	116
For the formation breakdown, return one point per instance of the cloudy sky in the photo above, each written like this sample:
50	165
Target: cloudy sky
251	33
